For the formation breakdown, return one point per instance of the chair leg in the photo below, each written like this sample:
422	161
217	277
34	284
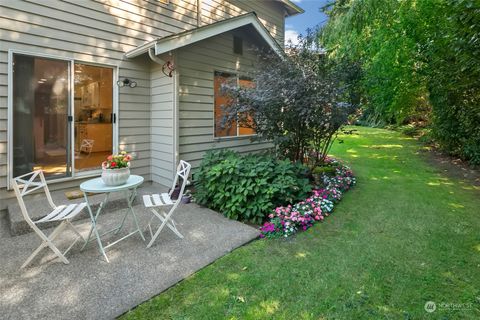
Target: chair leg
170	223
72	227
34	253
154	237
175	230
165	222
47	241
79	236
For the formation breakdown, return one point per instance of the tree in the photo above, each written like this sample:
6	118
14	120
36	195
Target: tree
418	59
299	102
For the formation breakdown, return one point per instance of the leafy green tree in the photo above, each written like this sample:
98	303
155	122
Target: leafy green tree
419	59
299	102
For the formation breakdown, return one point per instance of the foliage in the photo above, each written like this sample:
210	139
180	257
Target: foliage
407	234
328	167
454	79
117	161
286	221
419	61
246	187
299	102
324	170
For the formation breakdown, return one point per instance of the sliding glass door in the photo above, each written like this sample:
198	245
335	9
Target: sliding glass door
93	115
41	132
49	105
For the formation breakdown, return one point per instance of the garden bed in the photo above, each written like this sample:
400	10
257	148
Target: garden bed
288	220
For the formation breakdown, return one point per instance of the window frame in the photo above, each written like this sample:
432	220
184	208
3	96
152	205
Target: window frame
71	68
237	136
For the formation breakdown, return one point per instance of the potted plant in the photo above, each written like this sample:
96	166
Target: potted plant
187	197
116	169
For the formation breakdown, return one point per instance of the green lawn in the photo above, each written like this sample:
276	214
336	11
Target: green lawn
405	235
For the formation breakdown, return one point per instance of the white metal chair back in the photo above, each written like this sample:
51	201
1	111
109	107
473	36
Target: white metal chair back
87	146
165	199
183	171
25	185
33	181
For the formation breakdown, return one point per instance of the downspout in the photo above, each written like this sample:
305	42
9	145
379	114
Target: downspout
151	54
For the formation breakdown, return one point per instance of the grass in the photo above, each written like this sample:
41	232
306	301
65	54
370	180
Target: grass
405	235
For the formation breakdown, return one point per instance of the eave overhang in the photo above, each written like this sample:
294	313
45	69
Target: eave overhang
176	41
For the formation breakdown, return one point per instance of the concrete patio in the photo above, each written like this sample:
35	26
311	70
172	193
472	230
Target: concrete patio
89	287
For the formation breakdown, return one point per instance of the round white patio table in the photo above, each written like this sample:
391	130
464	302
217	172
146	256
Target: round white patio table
98	186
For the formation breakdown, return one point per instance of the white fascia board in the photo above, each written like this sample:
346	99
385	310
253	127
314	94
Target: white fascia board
293	7
140	49
175	42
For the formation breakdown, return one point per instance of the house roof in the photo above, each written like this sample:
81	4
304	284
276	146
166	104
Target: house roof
292	8
188	37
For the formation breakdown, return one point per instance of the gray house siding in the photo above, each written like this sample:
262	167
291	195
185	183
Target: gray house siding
270	13
162	126
90	32
197	64
100	32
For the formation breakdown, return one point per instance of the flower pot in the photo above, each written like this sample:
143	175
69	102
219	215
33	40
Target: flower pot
115	177
186	198
175	193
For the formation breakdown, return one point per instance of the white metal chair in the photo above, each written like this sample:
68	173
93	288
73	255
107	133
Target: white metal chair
86	147
163	200
30	182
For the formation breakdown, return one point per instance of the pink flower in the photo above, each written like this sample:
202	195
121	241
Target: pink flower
110	158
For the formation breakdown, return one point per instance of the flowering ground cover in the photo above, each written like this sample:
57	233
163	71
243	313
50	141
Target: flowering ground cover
286	221
405	235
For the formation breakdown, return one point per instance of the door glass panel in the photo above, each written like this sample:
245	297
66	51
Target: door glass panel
93	98
40	110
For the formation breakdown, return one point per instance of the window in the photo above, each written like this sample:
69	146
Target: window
221	128
58	126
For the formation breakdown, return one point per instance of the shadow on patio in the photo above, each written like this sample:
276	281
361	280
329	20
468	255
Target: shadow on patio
89	287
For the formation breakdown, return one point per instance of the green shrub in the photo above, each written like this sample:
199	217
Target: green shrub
247	187
328	170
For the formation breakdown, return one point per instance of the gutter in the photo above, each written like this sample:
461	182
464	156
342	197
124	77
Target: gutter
140	49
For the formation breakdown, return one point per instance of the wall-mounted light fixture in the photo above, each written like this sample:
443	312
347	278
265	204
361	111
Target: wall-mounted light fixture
126	82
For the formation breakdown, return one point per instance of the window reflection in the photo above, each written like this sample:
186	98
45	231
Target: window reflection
40	109
93	92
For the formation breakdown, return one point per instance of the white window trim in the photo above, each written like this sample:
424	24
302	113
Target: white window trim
71	61
238	136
